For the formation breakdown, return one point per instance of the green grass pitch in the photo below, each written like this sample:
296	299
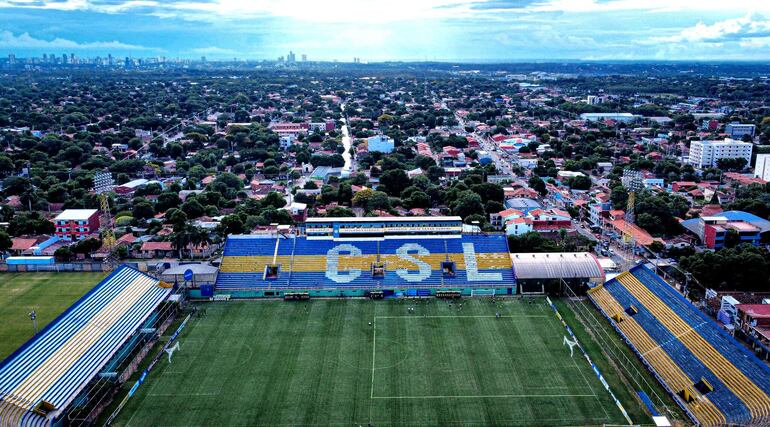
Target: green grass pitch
358	362
48	294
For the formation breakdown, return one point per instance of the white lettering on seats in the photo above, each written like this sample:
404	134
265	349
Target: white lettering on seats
333	264
422	266
472	267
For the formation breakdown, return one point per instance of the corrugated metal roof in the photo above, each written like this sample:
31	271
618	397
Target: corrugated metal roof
556	265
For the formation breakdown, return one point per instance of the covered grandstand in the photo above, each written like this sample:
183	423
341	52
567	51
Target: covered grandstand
42	381
713	378
279	262
547	272
383	226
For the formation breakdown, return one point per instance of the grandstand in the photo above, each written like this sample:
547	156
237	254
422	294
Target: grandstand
710	375
262	262
49	376
383	226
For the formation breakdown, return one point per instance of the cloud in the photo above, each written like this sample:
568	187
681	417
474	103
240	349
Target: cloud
305	10
750	29
592	6
26	41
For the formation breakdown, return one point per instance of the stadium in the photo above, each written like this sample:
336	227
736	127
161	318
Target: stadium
380	321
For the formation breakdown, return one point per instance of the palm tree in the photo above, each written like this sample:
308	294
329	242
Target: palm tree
199	237
180	239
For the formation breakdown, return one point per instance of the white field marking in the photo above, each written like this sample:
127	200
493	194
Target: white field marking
487	396
560	327
374	353
181	394
417	316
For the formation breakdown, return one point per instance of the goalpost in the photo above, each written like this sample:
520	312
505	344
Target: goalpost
482	292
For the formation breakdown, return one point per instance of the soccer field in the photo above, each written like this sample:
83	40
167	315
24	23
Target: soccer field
359	362
48	294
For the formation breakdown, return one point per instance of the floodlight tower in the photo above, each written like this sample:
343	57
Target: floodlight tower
633	181
103	184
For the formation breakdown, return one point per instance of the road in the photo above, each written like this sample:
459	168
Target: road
485	143
347	143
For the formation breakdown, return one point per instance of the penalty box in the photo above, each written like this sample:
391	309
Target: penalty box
473	356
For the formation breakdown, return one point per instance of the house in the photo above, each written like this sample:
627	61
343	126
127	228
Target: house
76	224
150	250
131	186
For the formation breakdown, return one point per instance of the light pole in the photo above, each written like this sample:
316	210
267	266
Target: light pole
33	318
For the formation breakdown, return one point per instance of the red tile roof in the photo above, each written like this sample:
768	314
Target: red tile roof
157	246
20	244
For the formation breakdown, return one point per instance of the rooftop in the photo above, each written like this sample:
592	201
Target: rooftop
75	214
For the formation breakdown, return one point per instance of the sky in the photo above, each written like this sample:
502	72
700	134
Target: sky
406	30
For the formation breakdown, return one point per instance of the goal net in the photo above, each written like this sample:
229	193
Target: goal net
482	292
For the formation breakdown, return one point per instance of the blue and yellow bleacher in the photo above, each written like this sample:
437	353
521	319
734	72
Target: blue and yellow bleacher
685	349
325	263
40	379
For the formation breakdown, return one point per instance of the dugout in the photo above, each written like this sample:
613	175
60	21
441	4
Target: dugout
549	272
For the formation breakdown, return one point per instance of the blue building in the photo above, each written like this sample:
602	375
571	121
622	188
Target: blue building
380	144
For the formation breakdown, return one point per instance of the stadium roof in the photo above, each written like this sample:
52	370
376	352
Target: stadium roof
385	219
556	265
763	224
60	361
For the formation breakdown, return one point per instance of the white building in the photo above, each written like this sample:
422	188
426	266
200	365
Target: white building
762	168
381	144
705	154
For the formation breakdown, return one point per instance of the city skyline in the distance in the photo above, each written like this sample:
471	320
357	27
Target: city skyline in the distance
442	30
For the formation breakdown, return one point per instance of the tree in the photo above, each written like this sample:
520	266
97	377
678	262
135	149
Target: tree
192	208
177	218
142	210
231	224
736	164
361	198
166	201
418	199
6	166
86	246
63	254
338	211
467	204
537	184
16	185
619	197
230	181
732	239
344	193
580	182
488	192
394	181
378	201
5	241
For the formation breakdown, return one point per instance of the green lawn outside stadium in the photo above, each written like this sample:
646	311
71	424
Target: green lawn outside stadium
322	363
49	294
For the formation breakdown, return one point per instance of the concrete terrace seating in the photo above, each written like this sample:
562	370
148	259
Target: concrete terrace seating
669	334
320	263
748	365
61	360
665	368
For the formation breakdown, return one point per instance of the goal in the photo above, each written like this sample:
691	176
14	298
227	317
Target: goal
482	292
